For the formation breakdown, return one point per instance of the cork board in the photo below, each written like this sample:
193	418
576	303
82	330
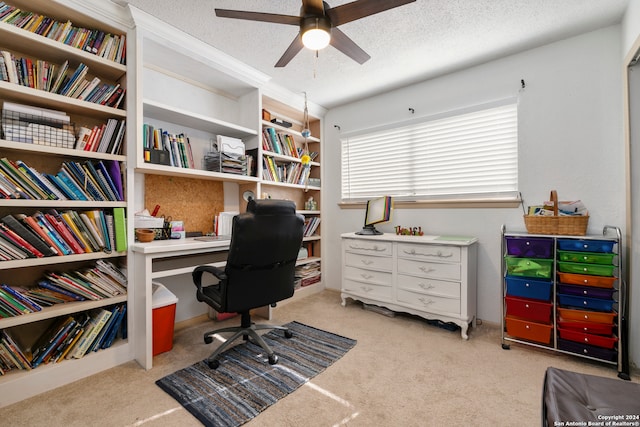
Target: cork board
194	201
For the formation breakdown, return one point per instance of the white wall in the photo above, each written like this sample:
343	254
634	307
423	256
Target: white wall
570	139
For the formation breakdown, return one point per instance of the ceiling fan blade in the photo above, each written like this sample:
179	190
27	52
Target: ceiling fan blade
359	9
313	7
344	44
292	50
258	16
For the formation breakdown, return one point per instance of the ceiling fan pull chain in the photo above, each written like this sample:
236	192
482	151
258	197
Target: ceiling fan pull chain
315	65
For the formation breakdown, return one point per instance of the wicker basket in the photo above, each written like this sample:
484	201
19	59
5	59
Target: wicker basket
556	224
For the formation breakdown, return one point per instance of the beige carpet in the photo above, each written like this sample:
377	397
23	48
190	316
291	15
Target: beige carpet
402	372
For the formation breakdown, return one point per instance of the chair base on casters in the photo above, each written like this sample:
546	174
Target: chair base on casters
248	331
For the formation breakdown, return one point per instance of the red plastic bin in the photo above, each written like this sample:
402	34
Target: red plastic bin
529	309
163	318
597	340
585	327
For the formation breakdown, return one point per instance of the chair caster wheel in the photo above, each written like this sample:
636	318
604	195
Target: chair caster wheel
213	364
273	359
288	334
208	339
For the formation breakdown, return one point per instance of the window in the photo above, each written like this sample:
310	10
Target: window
466	154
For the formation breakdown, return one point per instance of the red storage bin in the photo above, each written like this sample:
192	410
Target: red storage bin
531	331
597	340
585	327
529	309
163	318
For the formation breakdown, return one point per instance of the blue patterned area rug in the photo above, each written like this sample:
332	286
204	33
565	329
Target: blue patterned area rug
245	384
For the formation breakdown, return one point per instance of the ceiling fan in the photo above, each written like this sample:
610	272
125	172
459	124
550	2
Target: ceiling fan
318	22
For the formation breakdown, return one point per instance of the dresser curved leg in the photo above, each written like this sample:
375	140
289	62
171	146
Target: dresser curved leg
463	331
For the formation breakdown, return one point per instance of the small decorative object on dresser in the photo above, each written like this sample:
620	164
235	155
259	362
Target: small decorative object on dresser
433	277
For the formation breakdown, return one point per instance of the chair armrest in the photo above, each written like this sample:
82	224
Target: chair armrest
215	271
213	295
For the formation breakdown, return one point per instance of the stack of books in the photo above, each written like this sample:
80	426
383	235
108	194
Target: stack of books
307	274
311	225
99	180
100	43
71	336
104	280
53	233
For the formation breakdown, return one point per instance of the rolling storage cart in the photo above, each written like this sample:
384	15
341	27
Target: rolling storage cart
566	294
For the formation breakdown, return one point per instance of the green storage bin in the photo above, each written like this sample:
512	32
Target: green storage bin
579	268
529	267
586	257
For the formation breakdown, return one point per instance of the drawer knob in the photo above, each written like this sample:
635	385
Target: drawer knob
367	261
427	269
426	286
366	288
366	276
426	301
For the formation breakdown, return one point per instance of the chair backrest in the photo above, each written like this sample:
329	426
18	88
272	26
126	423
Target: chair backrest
265	242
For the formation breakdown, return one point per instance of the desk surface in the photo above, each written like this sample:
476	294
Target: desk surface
174	245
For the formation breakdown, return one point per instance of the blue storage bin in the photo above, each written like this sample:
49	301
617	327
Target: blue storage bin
586	245
528	288
595	304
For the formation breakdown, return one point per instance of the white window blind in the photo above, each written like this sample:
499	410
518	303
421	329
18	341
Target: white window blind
464	155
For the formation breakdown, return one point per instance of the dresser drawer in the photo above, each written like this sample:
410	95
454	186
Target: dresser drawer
368	247
429	286
368	276
429	252
368	290
429	269
379	263
429	303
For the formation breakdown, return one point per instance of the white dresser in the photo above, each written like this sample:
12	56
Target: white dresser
429	276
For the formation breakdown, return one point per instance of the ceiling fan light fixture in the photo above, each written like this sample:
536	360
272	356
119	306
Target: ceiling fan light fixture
315	39
316	33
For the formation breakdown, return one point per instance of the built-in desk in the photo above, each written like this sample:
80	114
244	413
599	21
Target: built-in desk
163	258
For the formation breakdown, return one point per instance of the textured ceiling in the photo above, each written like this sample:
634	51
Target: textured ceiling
414	42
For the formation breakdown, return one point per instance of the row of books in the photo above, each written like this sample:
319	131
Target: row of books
311	225
43	75
97	180
291	173
68	337
100	43
103	280
178	146
106	138
279	143
53	233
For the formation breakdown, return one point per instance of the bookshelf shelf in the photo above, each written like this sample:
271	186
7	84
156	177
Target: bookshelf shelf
25	95
150	168
59	310
57	260
194	120
59	152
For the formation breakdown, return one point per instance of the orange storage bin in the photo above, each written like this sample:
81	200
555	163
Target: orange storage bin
587	280
531	331
163	318
588	316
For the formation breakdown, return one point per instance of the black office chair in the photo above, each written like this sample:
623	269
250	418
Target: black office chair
265	242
